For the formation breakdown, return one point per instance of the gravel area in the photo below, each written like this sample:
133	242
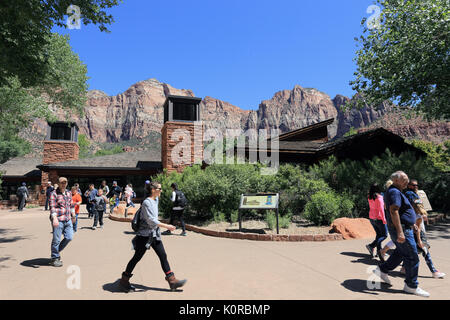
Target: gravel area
260	227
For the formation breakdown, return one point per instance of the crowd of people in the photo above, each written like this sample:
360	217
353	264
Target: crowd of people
64	206
399	212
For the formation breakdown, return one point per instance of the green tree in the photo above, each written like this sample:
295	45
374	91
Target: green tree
107	152
439	154
84	144
25	34
405	57
352	131
64	86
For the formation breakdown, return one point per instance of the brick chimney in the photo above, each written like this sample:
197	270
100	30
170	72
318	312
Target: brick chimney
60	144
182	133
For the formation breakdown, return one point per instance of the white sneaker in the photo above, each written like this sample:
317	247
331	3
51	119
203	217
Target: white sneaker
93	228
438	275
382	275
417	291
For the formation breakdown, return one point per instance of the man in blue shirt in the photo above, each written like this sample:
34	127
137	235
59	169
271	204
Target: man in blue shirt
401	219
91	199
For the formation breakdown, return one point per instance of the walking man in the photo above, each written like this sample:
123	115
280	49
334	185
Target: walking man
91	197
99	208
179	203
401	220
48	192
62	213
22	195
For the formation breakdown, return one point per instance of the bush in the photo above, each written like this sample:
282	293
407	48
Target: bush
218	188
325	206
271	220
353	178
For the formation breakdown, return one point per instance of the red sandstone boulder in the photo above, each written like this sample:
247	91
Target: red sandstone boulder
360	228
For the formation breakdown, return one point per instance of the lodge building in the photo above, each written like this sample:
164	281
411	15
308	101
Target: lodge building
306	145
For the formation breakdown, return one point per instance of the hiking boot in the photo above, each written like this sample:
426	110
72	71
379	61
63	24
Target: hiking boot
174	283
166	233
56	262
370	249
417	291
125	282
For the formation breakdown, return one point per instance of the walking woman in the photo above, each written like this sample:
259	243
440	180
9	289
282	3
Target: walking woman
377	219
149	235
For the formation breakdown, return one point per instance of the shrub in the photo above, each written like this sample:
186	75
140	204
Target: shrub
353	178
271	220
325	206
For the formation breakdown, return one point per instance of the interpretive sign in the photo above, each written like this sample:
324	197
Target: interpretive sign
264	201
426	203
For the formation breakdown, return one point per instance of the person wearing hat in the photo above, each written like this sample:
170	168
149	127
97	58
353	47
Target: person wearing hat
22	195
48	192
62	216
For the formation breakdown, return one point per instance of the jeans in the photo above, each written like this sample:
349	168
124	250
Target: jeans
178	214
116	204
406	252
98	217
89	208
382	232
47	202
75	225
140	251
21	203
64	228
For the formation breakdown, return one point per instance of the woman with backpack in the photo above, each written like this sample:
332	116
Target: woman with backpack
149	235
179	203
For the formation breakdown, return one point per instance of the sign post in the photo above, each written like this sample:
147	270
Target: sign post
264	201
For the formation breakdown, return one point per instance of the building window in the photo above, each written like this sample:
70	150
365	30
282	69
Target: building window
184	111
60	132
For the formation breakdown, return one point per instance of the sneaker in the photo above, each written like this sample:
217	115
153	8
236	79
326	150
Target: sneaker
101	227
183	233
93	228
382	275
438	275
370	249
417	291
56	263
166	233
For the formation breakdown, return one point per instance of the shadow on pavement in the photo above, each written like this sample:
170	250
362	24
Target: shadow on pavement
441	230
3	232
36	263
4	259
115	288
358	285
363	258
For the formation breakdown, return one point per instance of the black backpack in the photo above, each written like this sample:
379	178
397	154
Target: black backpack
20	192
135	223
180	200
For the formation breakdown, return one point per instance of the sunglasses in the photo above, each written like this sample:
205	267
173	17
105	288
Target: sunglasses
414	185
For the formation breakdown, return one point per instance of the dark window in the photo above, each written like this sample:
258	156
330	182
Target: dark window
184	111
60	132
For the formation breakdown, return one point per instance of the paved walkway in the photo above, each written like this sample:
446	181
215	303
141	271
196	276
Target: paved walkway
216	268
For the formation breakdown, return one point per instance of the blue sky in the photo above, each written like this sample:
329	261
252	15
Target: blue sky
241	52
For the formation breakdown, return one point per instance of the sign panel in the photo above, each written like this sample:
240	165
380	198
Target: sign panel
259	201
423	197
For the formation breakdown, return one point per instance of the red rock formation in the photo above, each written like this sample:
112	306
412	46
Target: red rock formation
360	228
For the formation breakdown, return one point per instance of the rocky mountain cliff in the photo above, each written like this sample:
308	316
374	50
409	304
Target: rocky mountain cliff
138	113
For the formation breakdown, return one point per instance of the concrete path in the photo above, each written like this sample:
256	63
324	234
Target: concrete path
216	268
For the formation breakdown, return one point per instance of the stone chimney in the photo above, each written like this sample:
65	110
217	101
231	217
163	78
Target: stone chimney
182	133
60	144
